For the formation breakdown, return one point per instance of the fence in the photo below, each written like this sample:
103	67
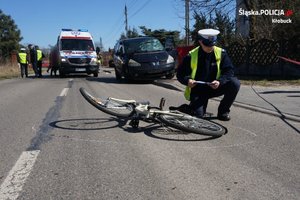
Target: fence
264	58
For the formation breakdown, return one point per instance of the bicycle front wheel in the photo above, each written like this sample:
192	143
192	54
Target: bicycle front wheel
192	124
108	106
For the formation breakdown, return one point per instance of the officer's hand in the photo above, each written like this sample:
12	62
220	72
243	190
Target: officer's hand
192	83
215	84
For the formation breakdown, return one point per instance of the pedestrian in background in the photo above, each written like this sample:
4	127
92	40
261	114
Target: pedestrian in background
23	61
208	72
99	56
40	55
32	59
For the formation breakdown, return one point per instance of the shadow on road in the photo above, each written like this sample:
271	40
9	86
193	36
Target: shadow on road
278	91
86	124
152	130
282	116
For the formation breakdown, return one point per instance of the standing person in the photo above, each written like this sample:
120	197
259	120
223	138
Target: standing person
212	68
40	55
23	61
99	56
33	59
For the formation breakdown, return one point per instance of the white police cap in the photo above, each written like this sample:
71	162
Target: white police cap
208	36
207	33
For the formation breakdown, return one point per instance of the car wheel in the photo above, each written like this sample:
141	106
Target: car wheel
170	76
96	74
118	75
61	74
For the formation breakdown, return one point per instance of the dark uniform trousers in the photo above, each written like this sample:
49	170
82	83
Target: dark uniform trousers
202	93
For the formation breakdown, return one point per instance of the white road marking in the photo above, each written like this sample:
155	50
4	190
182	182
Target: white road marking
64	92
13	184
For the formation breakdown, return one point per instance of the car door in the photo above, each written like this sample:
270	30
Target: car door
119	58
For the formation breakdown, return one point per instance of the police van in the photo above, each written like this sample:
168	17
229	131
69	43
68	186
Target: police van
74	52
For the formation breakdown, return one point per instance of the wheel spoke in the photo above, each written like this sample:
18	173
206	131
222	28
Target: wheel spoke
193	124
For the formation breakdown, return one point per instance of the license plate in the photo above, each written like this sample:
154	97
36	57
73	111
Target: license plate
80	69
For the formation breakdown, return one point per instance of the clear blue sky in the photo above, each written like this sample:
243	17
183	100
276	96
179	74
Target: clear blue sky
40	21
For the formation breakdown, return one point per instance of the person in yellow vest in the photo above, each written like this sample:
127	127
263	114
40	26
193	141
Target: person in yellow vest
99	56
207	72
40	55
23	61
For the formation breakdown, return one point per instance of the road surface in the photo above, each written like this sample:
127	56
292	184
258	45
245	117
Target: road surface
54	145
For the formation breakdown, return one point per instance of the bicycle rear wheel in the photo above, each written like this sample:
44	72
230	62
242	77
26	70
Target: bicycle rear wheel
108	106
192	124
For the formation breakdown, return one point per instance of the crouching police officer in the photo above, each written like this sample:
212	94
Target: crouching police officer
208	72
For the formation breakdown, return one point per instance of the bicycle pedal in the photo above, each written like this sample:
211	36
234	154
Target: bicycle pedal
162	103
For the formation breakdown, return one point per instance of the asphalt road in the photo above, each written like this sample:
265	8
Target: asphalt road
54	145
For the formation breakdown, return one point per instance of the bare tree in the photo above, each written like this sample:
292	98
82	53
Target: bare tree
260	26
210	6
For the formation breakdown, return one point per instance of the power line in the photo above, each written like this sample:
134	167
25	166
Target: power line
132	3
140	9
116	28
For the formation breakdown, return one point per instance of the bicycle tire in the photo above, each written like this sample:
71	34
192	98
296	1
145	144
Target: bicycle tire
192	124
108	106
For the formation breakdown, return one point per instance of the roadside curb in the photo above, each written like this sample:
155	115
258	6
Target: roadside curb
265	111
238	104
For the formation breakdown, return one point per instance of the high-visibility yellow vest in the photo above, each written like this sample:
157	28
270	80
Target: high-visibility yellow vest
194	64
22	57
39	55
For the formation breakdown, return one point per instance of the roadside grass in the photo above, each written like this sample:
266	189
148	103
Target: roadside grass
8	71
263	81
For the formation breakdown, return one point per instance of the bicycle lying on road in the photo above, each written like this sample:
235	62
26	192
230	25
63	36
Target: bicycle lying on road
136	111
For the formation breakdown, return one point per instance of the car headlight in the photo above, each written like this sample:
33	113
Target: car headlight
170	59
94	61
133	63
63	60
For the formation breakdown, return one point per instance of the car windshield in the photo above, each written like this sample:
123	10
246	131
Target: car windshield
76	44
142	45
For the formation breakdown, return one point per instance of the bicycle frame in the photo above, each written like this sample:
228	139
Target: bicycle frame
143	108
136	111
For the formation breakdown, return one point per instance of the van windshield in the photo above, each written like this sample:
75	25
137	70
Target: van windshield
142	45
76	44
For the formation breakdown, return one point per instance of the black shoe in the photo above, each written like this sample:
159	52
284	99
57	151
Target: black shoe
224	117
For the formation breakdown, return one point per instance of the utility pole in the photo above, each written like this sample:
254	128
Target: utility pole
126	22
101	45
187	22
